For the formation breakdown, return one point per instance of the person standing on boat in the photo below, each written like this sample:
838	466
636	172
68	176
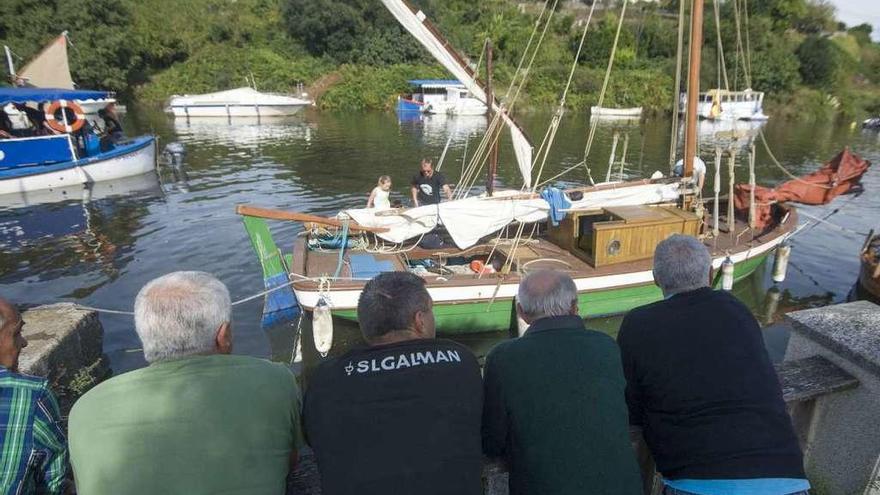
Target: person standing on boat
379	197
426	185
701	386
699	171
554	404
401	415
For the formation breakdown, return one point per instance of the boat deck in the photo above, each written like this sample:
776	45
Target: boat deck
531	254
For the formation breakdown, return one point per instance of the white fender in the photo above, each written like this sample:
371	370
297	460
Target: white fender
322	327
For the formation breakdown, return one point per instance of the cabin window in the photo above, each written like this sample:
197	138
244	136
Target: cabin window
433	91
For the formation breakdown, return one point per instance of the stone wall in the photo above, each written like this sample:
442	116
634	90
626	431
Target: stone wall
65	345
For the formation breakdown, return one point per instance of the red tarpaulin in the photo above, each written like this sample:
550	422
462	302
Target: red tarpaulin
836	177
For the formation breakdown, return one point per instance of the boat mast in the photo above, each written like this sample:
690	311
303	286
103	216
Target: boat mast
690	140
10	64
493	154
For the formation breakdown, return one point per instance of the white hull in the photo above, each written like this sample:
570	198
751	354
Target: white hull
136	162
241	102
348	299
227	111
628	113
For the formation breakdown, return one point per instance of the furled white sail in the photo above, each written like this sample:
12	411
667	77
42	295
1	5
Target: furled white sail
49	69
414	22
470	219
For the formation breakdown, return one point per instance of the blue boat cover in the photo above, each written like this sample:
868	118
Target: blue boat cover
367	266
24	95
34	151
435	82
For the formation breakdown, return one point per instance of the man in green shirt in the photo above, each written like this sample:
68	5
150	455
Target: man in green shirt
554	404
197	420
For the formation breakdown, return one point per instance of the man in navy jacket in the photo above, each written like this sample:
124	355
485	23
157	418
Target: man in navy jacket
701	385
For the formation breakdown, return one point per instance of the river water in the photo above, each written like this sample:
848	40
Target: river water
100	250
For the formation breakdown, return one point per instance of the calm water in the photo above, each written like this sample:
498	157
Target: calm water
100	250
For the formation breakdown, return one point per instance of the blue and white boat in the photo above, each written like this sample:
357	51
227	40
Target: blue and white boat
32	163
440	96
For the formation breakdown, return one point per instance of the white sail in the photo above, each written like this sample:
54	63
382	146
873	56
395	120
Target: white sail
414	22
49	69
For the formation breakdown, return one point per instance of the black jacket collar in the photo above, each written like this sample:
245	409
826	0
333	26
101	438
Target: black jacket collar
556	323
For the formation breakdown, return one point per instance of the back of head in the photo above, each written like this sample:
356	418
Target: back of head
681	264
178	315
546	293
389	303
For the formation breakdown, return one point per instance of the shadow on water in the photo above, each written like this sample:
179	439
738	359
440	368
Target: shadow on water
100	250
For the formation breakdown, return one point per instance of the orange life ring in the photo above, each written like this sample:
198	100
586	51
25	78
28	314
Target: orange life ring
59	124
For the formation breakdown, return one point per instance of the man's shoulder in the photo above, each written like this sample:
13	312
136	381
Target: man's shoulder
14	379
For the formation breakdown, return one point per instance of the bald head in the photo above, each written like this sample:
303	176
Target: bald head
546	293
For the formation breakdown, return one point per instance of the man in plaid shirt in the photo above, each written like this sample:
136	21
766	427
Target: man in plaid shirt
33	450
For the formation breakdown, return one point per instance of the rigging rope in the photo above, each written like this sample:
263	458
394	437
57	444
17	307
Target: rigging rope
781	167
722	63
550	135
594	124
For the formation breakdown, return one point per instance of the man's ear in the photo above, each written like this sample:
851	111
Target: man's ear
224	339
522	314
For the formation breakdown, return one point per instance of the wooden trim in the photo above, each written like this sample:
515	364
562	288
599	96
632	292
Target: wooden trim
271	214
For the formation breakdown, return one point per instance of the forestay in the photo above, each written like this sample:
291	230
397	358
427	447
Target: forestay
414	21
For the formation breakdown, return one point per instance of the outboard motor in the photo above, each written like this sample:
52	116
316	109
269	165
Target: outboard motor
174	153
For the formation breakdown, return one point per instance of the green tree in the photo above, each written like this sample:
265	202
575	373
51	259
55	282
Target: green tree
822	62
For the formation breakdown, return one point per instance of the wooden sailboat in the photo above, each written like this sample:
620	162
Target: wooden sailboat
605	241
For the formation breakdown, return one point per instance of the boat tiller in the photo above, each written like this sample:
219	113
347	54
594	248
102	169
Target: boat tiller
322	327
727	274
780	261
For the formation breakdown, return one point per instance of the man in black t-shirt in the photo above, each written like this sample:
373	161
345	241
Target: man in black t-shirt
426	185
403	414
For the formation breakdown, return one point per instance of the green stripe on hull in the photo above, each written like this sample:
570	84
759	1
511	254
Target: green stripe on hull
482	316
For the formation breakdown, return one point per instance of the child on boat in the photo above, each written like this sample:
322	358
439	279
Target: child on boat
379	196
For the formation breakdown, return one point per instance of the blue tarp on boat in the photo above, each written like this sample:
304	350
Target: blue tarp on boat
24	152
24	95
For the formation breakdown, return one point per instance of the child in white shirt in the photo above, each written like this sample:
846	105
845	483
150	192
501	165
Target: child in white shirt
379	196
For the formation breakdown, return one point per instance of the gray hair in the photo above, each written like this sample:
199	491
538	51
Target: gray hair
178	314
546	293
681	264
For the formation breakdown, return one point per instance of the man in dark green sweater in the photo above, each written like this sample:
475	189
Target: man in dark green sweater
554	403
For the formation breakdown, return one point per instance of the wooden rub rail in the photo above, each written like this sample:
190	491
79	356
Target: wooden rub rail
254	211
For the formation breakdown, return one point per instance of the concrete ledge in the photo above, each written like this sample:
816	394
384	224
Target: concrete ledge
65	345
812	377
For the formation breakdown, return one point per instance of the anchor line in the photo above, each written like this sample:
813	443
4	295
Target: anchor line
299	278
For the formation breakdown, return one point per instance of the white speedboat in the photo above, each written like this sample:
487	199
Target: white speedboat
610	113
240	102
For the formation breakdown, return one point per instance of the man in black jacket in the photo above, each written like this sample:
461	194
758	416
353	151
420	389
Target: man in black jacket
701	386
403	414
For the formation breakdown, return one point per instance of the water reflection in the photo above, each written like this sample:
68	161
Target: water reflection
76	229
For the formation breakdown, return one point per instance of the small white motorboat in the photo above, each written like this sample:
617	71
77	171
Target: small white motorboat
621	113
240	102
